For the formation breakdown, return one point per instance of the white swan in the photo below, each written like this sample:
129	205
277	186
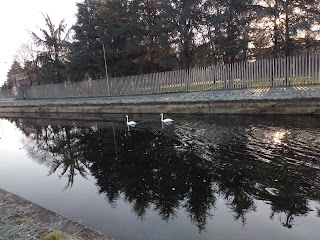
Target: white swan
167	120
131	123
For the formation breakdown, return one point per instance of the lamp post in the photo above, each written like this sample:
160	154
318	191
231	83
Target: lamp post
105	64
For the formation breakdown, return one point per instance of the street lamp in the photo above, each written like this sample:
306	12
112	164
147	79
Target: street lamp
105	63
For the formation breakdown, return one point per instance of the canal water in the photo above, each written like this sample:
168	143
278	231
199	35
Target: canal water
202	177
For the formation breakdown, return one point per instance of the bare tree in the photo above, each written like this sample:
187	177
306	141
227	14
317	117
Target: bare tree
27	56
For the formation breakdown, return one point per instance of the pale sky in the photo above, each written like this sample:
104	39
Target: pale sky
18	16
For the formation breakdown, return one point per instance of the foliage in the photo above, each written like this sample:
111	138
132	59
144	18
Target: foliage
53	42
146	36
290	26
143	36
12	75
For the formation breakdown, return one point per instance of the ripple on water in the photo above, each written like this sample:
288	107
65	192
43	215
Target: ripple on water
278	145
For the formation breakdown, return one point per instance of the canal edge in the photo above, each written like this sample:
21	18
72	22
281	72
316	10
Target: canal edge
19	216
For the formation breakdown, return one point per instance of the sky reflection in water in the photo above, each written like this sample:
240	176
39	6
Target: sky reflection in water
204	177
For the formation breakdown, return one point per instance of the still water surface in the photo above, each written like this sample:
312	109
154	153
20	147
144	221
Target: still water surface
204	177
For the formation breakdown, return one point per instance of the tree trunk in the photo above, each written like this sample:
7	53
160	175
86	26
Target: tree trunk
275	30
287	34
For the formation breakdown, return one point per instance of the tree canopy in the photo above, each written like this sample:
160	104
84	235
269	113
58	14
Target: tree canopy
146	36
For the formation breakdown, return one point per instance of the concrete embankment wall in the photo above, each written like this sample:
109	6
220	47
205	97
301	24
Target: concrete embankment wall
284	106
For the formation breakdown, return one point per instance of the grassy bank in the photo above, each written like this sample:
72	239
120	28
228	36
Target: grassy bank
24	220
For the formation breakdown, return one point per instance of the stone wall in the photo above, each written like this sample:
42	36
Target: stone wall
283	106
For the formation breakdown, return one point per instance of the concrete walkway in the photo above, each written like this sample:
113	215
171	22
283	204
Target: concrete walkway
274	93
276	100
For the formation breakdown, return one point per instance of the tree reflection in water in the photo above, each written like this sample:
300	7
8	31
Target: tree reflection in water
188	165
58	148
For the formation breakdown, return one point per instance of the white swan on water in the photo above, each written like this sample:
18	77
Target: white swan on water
167	120
131	123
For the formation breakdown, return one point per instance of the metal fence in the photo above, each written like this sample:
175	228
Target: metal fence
6	94
287	71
